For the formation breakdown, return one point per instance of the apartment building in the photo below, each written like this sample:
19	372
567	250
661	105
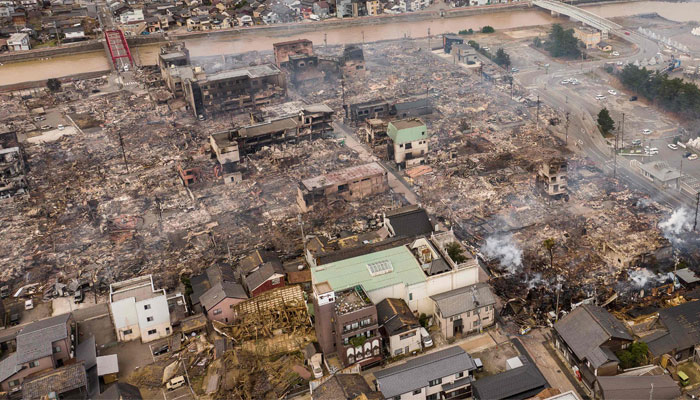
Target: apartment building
346	324
283	50
589	36
139	310
552	177
444	374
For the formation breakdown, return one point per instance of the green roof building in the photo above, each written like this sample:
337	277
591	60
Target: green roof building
409	139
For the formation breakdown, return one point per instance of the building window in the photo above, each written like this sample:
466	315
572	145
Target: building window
435	382
149	319
409	146
355	325
14	383
152	332
407	335
433	396
147	307
126	332
167	329
417	391
33	364
57	349
476	323
346	341
217	311
410	296
459	375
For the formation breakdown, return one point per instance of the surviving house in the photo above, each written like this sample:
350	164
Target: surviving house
347	184
42	345
660	173
588	338
346	324
18	41
659	387
398	326
410	221
260	271
552	177
464	310
444	374
464	53
67	382
589	36
218	301
210	277
409	142
678	332
139	310
522	382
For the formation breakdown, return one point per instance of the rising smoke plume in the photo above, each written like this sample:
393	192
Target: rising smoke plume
640	278
506	250
677	225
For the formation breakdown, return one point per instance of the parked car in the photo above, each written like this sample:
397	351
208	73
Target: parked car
672	146
61	127
45	127
687	154
479	365
425	337
161	350
14	318
79	296
612	92
633	98
317	370
176	382
637	142
514	69
615	53
693	157
600	97
647	132
29	304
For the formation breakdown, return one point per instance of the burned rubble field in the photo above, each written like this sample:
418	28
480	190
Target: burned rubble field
88	216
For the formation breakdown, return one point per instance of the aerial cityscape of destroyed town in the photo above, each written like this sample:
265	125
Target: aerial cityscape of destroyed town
349	199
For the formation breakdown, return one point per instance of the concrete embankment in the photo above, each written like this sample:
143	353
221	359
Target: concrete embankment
65	49
41	83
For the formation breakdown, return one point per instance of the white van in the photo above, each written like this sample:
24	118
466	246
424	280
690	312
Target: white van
176	382
425	337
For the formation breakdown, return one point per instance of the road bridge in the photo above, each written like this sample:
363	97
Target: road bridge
118	48
581	15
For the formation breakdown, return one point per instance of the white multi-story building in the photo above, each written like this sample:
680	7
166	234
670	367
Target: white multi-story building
139	310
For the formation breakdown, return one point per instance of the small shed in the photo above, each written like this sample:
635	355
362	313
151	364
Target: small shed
108	368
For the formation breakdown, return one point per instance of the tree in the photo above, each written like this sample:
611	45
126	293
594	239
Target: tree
487	29
549	244
502	58
562	43
53	84
605	122
456	252
634	356
537	41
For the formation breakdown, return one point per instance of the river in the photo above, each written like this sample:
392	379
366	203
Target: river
95	61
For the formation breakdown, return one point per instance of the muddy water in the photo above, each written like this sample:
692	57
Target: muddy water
62	66
54	67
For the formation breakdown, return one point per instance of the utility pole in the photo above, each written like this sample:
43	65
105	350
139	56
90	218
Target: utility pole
556	317
325	40
566	137
615	155
697	203
680	178
121	143
363	37
623	133
429	48
538	111
303	237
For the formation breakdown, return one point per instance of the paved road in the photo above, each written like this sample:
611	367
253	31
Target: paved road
582	127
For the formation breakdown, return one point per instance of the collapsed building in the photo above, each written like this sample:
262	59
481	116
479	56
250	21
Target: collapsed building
353	61
380	108
283	50
285	123
346	184
173	56
12	168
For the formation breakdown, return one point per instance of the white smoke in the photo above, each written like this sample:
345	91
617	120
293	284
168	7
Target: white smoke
679	223
534	281
506	250
642	277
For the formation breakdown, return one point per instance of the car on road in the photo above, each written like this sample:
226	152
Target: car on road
646	132
615	53
627	33
45	127
672	146
161	350
29	304
600	97
40	118
79	296
514	70
693	157
637	142
619	63
612	92
565	82
633	98
61	127
486	48
687	154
